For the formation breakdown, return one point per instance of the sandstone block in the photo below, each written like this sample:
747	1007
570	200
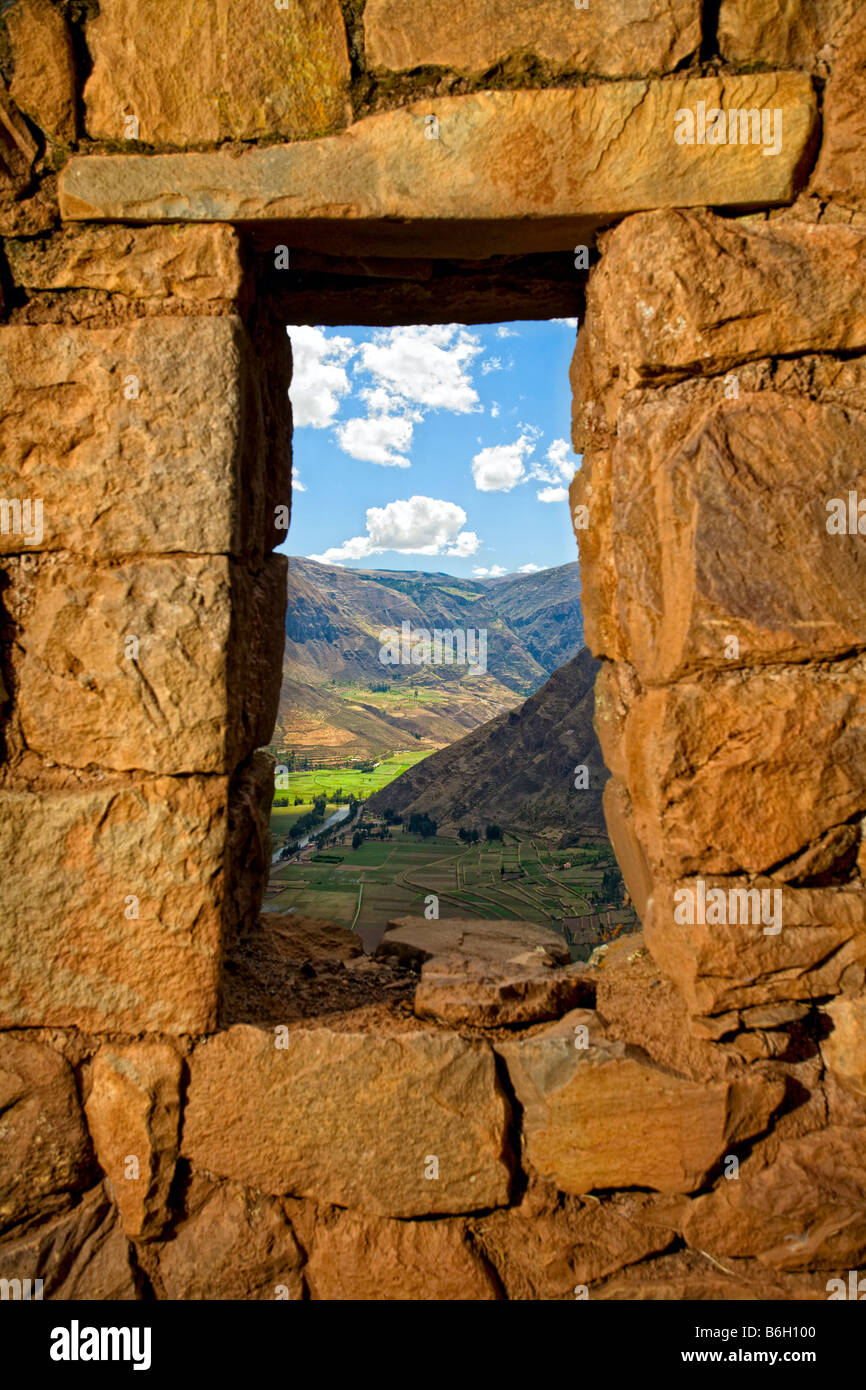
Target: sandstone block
722	292
591	488
359	1258
692	482
45	1154
196	264
626	846
43	71
145	438
539	169
782	36
805	1210
351	1119
82	1255
820	948
844	1050
629	38
413	940
133	1113
839	173
199	72
79	866
549	1243
232	1245
740	771
605	1116
462	989
168	665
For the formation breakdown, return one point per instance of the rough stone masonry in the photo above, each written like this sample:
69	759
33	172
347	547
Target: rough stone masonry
693	1126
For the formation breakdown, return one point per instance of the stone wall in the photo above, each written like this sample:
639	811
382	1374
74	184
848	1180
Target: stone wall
702	1137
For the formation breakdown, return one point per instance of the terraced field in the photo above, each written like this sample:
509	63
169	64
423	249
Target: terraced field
392	878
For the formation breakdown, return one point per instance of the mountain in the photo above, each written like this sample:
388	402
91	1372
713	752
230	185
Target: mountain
517	770
340	700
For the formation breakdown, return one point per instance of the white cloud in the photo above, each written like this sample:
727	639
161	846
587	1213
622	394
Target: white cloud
466	544
491	364
552	494
297	485
571	323
378	439
494	409
424	365
560	467
504	332
528	569
492	573
413	526
319	378
500	467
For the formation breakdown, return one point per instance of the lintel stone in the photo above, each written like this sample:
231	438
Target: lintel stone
507	172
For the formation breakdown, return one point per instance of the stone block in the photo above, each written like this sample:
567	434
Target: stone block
133	1113
806	1210
200	72
45	1154
231	1245
629	38
605	1116
42	84
79	865
170	665
194	264
719	967
538	169
351	1119
146	438
360	1258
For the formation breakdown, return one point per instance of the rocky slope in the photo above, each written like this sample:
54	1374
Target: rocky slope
339	698
519	768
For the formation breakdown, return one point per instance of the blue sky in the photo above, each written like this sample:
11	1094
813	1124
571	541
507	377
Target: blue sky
433	448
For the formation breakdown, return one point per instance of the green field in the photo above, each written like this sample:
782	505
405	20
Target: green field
359	784
327	781
392	878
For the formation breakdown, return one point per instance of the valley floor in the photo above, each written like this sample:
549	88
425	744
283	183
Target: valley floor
518	878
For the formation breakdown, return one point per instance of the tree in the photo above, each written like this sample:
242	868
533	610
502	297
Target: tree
421	824
612	886
493	832
357	839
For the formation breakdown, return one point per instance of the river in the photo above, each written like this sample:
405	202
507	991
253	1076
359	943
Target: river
333	819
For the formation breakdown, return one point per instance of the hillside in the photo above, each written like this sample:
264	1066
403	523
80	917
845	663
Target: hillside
518	769
339	700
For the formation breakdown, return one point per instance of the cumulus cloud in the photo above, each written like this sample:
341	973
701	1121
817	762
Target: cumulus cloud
319	377
377	439
559	467
528	569
552	494
491	364
412	526
503	331
494	409
570	323
297	485
500	467
426	366
493	572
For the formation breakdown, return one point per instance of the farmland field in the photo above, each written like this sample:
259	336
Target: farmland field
327	781
393	878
